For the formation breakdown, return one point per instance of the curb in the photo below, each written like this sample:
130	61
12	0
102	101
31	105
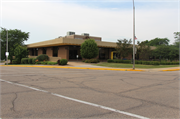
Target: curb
171	70
73	67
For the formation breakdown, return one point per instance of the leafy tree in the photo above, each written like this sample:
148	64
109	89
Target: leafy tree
124	47
162	52
177	38
89	49
173	52
20	52
158	41
144	50
15	37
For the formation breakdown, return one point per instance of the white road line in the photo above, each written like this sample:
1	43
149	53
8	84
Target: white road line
80	101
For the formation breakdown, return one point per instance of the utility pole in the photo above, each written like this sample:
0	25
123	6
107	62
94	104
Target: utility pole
133	35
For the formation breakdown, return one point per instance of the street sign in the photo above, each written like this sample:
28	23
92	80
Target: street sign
7	53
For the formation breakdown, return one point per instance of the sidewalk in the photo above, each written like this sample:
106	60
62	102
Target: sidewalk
82	65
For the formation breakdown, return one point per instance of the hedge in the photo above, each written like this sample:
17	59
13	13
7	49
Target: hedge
30	60
91	61
24	60
33	60
142	62
15	62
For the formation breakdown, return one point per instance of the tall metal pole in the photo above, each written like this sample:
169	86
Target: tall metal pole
133	35
7	46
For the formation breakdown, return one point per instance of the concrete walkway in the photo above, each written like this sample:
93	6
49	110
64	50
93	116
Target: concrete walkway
82	65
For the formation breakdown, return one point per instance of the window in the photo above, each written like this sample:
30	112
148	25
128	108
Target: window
55	51
44	50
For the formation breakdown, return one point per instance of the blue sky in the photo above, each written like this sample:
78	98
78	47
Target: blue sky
109	19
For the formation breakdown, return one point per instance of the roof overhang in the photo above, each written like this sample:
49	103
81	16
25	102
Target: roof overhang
68	41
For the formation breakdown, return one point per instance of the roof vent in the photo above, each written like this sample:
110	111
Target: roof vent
70	33
85	34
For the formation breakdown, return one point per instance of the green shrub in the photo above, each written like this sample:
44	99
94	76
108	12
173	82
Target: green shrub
126	61
24	60
163	63
51	63
44	62
143	62
110	61
38	63
63	61
15	62
30	60
156	63
151	62
138	62
148	62
86	61
94	61
33	60
42	57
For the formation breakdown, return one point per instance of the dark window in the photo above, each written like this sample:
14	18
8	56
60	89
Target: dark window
44	50
36	51
55	51
32	52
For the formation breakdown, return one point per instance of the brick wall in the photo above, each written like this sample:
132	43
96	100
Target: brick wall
49	52
63	52
40	51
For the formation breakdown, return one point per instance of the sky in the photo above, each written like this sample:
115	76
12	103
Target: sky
109	19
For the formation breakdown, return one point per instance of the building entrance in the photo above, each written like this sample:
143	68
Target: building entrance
74	51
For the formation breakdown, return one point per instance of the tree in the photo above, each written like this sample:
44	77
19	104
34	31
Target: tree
124	47
177	38
162	52
15	37
20	52
89	49
144	50
159	41
173	52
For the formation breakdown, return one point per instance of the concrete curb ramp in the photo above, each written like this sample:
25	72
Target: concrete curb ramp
113	69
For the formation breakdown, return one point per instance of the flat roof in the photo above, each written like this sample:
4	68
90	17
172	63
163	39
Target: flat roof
69	41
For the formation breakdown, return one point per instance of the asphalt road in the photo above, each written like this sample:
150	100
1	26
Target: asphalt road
77	93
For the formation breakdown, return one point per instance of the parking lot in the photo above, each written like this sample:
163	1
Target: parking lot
28	92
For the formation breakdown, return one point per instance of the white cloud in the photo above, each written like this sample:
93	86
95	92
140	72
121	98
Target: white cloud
48	20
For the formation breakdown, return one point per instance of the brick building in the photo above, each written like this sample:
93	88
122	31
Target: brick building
68	47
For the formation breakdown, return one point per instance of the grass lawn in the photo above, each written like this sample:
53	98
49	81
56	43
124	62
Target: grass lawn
121	65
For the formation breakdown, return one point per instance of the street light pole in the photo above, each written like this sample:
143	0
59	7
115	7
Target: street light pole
133	35
7	47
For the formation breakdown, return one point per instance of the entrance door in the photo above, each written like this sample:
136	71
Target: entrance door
72	54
